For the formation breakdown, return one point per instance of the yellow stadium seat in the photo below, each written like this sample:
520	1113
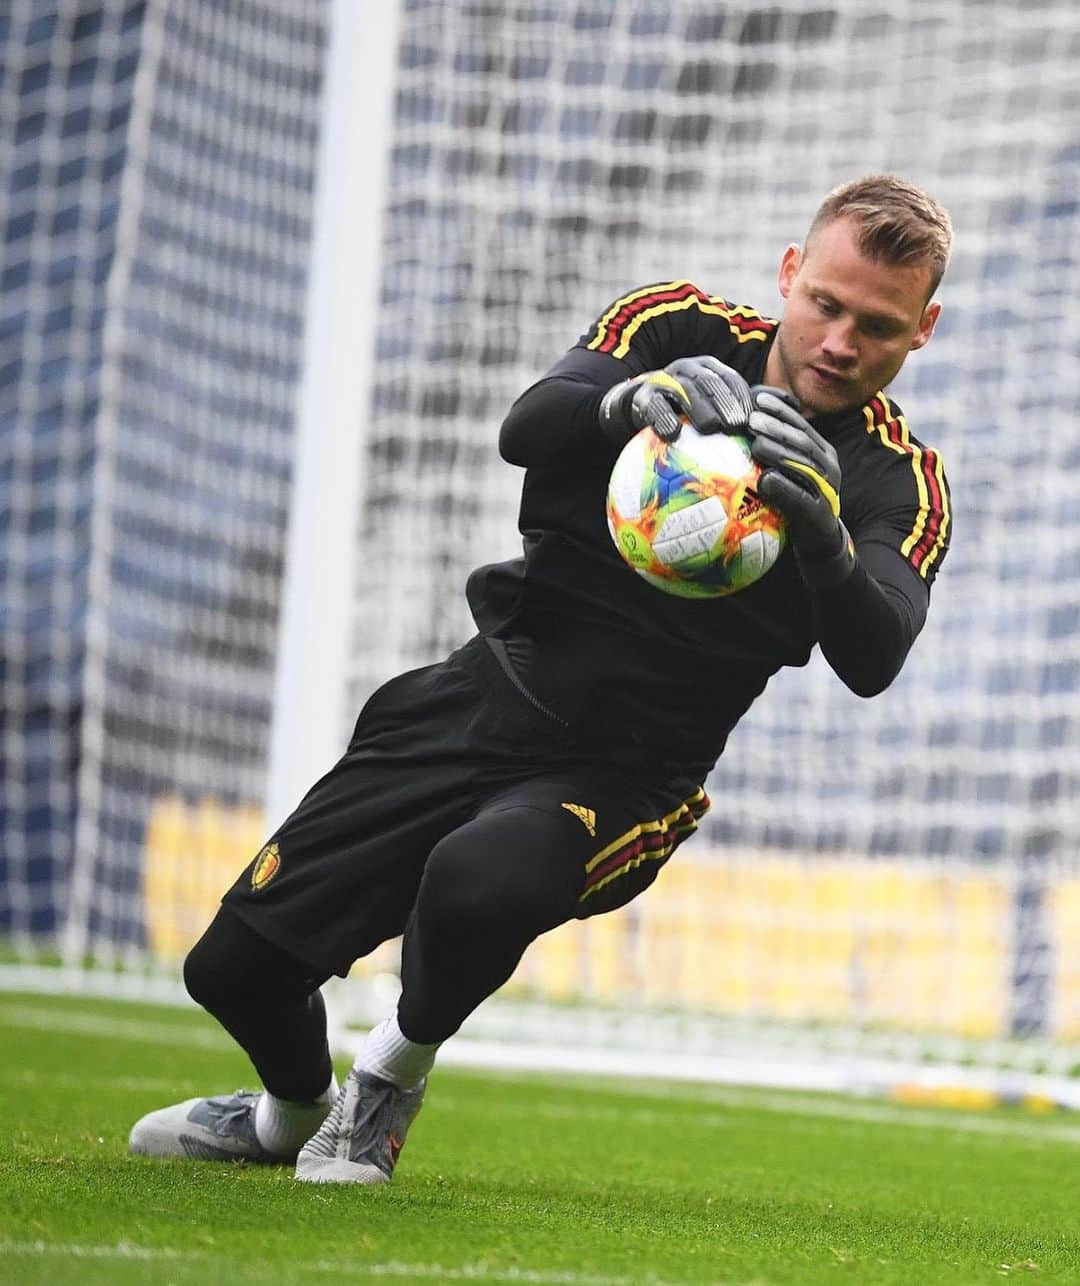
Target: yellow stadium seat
193	854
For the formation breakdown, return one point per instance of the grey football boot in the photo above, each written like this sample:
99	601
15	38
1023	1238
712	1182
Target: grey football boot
360	1140
204	1129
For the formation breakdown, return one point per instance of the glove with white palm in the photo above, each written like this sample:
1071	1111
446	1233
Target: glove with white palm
713	397
801	480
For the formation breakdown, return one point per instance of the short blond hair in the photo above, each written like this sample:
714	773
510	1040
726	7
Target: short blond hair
898	222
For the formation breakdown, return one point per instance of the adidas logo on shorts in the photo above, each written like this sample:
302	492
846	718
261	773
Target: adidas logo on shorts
586	816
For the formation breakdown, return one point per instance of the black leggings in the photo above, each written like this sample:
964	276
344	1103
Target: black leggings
269	1003
484	896
488	890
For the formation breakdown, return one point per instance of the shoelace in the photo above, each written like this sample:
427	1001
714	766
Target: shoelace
233	1111
363	1132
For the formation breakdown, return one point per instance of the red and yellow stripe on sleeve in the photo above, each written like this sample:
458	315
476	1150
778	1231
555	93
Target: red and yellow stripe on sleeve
923	545
620	323
652	841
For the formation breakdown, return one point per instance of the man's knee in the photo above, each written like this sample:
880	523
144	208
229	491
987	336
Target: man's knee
499	868
206	975
233	965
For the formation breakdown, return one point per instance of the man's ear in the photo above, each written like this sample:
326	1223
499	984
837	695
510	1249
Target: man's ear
926	325
789	268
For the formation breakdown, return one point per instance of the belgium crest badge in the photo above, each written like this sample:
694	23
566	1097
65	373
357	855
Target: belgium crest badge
266	867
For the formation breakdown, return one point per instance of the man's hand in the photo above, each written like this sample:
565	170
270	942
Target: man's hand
712	396
801	480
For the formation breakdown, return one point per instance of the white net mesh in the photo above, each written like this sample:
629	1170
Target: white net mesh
549	157
157	196
158	183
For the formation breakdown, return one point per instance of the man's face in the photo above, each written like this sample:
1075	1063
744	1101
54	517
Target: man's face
849	322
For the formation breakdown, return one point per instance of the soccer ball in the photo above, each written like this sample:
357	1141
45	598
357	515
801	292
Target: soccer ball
686	514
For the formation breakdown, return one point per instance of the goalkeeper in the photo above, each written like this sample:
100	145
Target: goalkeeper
548	769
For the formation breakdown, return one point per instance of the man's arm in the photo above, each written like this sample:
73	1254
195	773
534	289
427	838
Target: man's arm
654	356
698	390
867	623
869	603
561	412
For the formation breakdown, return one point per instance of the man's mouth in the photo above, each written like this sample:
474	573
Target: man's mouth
832	379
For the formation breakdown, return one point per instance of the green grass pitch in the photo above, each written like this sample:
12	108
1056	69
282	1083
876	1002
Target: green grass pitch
519	1180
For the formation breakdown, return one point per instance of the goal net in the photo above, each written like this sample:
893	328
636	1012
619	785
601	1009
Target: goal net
893	880
156	169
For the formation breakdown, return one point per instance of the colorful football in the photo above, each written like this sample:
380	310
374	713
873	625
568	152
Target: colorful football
686	514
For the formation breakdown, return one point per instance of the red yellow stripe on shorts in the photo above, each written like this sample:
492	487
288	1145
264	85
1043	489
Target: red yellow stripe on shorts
617	327
924	544
652	841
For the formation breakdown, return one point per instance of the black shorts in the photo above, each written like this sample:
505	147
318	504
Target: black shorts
433	749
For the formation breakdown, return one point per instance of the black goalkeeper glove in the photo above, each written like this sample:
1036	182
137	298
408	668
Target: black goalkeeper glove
712	396
801	480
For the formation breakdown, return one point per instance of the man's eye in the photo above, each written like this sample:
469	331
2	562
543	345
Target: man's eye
878	330
827	306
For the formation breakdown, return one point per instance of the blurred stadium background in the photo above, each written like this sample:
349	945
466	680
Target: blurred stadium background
272	273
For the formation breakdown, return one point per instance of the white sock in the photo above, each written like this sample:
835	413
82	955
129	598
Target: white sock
284	1127
393	1057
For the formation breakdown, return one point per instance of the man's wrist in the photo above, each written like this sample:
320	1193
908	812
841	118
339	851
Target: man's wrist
614	417
822	567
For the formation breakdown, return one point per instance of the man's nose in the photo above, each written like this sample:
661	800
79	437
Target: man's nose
839	344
